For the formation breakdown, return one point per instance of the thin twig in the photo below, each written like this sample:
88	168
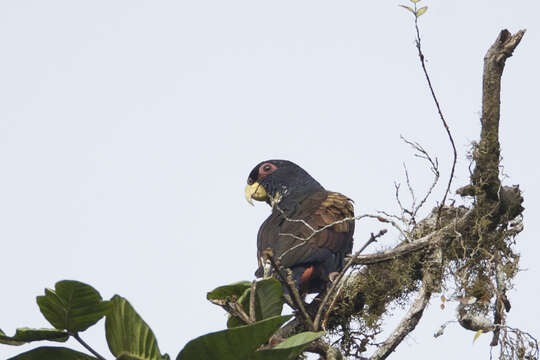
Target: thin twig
401	207
86	346
314	231
393	223
434	167
423	154
411	191
235	309
302	221
445	124
253	289
332	304
299	301
387	214
286	279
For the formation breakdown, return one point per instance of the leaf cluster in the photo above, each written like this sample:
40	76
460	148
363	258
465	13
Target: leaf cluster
72	307
417	12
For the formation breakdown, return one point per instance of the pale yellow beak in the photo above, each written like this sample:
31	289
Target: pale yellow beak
255	192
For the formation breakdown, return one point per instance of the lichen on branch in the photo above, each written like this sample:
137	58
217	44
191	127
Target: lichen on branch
474	243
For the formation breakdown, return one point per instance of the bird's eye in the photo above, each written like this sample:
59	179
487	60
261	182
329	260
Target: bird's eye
250	181
266	169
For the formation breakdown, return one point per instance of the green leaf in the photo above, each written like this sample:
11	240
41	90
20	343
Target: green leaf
288	349
421	11
300	339
269	298
224	293
232	344
268	301
73	306
408	8
26	335
415	1
128	336
53	353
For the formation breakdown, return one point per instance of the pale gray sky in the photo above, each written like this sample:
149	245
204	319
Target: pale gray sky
128	129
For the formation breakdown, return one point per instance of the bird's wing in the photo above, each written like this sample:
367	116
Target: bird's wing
294	242
336	209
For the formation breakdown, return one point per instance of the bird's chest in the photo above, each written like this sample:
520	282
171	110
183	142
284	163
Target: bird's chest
282	231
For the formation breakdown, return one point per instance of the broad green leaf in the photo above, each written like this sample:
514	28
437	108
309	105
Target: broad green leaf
300	339
26	335
408	8
223	293
421	11
288	349
268	301
269	296
128	336
232	344
477	335
73	306
52	353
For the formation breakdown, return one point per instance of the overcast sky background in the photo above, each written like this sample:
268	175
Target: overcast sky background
128	129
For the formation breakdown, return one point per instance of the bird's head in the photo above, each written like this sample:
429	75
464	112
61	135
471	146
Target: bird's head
275	180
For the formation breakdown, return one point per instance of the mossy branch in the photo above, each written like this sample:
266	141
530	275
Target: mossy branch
487	153
466	238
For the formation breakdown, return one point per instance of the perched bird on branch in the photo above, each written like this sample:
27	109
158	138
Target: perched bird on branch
305	230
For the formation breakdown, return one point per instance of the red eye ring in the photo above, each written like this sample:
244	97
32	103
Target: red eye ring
266	169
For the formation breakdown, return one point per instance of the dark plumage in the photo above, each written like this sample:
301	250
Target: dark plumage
300	197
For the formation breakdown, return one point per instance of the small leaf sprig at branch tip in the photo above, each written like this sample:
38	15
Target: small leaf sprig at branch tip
417	12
